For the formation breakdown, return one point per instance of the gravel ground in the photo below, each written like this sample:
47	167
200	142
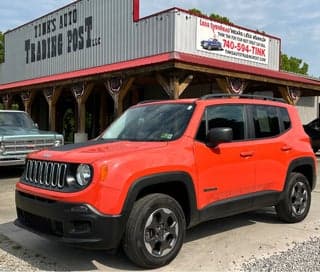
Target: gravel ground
303	256
13	257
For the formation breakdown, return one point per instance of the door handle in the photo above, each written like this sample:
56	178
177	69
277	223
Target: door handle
246	154
286	148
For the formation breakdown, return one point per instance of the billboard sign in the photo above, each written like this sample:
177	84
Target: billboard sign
231	41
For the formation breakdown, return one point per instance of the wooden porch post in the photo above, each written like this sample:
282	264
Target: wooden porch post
118	89
81	93
27	97
52	95
6	101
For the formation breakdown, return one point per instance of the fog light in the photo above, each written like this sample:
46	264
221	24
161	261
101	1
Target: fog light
81	227
80	209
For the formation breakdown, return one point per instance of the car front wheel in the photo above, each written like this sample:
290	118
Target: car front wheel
155	231
295	203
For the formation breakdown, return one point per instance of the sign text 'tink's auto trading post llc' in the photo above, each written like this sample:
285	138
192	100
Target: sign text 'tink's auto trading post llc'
48	37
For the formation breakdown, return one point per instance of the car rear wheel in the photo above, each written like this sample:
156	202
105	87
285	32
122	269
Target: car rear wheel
295	203
155	231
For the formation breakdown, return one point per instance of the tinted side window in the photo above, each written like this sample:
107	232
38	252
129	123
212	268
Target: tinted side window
223	116
266	121
286	122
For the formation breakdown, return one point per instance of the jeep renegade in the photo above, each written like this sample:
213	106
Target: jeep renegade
166	166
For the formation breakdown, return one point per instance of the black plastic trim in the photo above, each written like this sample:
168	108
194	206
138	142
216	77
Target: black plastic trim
248	96
239	204
78	224
304	161
167	178
69	147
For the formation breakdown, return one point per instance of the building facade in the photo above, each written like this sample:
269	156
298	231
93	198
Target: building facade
77	68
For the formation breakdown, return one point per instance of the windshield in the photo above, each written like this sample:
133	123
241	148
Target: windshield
157	122
16	119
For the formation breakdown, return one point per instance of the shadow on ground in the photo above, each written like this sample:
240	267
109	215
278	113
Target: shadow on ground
8	172
49	256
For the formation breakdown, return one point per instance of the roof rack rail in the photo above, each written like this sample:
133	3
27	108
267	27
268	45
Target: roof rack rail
251	96
148	101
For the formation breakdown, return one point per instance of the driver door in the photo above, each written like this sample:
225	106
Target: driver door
227	170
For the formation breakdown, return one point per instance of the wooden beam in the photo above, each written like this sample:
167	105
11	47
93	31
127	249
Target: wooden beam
81	93
184	84
52	95
126	85
172	86
164	84
289	95
118	94
27	98
251	77
222	83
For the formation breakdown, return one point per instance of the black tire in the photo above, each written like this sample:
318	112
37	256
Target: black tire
155	231
296	200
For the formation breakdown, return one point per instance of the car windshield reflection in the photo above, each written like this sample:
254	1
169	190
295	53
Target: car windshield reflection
156	122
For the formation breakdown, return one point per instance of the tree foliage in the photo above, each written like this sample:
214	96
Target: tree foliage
1	47
219	18
213	16
196	12
293	64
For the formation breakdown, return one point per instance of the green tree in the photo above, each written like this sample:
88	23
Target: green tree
219	18
213	16
293	64
196	12
1	47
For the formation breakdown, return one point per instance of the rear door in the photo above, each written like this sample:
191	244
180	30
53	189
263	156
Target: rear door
272	145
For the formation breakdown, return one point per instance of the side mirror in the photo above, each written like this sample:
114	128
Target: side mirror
219	135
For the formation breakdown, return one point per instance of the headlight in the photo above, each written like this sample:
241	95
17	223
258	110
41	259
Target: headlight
84	174
57	143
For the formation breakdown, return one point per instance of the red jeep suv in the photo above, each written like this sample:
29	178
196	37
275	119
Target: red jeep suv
166	166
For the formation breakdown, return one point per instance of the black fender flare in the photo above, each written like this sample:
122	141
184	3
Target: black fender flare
161	179
302	162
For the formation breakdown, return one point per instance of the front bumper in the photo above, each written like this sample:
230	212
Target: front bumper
73	223
13	160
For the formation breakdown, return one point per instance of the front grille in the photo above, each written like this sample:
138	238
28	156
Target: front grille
14	147
46	174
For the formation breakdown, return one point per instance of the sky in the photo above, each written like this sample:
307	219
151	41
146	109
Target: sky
295	22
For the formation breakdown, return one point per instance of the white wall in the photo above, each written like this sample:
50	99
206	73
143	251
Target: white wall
308	108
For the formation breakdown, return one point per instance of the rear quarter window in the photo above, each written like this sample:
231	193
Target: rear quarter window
284	119
269	121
